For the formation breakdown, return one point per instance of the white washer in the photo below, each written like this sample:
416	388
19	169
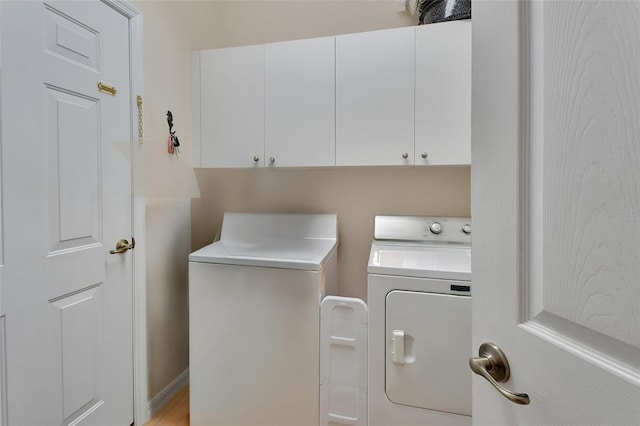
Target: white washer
419	298
254	319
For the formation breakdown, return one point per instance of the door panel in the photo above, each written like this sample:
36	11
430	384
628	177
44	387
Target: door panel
81	320
556	208
70	39
74	169
67	200
589	169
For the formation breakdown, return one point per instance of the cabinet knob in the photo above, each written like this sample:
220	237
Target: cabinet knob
256	158
272	160
424	155
405	155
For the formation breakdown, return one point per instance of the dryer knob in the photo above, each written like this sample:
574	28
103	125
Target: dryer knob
436	228
466	228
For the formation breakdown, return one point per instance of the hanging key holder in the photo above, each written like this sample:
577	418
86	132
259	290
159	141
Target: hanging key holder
173	144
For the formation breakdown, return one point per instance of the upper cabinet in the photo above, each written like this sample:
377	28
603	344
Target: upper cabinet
392	97
231	119
375	97
443	93
300	103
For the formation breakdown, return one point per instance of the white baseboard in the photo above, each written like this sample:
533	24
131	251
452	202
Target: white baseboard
164	396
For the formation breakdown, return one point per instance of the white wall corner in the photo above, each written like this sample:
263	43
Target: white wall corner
165	395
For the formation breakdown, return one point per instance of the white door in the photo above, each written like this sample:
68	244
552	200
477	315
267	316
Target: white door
556	209
67	200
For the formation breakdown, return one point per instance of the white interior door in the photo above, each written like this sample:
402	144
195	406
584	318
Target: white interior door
67	200
556	208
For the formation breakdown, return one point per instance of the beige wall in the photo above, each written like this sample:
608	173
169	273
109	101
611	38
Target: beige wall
356	195
168	244
172	29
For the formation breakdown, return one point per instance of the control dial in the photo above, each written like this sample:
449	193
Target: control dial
466	228
435	228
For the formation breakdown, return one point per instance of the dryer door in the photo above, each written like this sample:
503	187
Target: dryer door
428	345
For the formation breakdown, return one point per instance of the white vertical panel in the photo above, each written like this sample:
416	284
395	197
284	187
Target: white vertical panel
232	106
343	361
443	93
74	169
375	97
590	168
78	157
81	333
300	102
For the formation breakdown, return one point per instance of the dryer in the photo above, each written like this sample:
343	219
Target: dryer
419	299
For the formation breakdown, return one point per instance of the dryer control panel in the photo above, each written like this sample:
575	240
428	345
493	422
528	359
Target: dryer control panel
451	230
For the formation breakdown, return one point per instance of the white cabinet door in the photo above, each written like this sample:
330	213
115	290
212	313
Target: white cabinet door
300	103
232	106
443	93
375	97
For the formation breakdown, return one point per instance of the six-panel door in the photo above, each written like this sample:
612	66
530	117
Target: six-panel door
66	202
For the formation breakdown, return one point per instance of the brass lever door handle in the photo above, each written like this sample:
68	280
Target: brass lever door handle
492	364
123	245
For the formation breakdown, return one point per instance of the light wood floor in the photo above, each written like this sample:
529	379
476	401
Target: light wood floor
175	413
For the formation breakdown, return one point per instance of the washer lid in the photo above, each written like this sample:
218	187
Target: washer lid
308	255
422	261
286	241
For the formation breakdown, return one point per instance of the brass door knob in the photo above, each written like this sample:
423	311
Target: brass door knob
123	245
492	364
